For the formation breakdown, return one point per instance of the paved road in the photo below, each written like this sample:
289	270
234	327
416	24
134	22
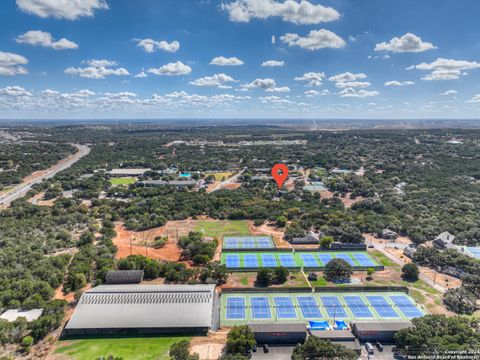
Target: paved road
230	180
380	247
21	189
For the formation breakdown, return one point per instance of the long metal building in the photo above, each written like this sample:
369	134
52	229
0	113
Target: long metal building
143	309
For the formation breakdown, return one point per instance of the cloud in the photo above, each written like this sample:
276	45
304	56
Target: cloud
351	92
14	91
11	64
316	39
223	61
45	39
302	12
475	99
273	63
445	69
312	93
171	69
97	69
268	85
449	92
399	83
150	45
70	10
216	80
141	74
312	78
407	43
349	80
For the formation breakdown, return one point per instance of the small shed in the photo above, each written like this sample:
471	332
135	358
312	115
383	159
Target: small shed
124	277
279	333
388	234
444	241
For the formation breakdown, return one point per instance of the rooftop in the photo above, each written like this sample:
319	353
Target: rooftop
12	314
124	276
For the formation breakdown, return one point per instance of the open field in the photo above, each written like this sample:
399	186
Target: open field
220	176
132	348
222	228
247	280
123	181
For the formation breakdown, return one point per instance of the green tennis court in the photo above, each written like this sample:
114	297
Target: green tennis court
242	308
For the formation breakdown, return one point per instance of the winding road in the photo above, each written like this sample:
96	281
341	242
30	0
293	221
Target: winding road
21	189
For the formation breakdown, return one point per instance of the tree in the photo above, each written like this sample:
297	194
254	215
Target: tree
87	237
281	221
27	342
410	272
281	274
240	339
338	270
326	242
315	348
264	277
435	334
370	272
179	351
460	301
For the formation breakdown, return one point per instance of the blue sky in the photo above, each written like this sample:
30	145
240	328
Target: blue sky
189	59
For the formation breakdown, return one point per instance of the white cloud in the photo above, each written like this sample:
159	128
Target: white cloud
274	39
445	69
66	9
268	85
407	43
312	93
45	39
316	39
273	63
349	80
449	92
475	99
11	64
141	74
216	80
302	12
223	61
351	92
399	83
150	45
97	69
171	69
312	78
14	91
352	84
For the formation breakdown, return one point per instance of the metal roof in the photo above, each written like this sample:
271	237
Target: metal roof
13	314
278	327
381	325
144	306
124	277
129	171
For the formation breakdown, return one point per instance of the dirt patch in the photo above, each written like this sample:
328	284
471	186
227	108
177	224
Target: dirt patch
347	201
70	297
231	186
131	242
209	347
37	200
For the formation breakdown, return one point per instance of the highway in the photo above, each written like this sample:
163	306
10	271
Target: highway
21	189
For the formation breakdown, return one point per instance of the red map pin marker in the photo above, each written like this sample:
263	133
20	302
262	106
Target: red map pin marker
280	174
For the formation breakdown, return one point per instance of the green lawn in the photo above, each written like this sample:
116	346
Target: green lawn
321	281
221	175
223	228
381	258
147	348
123	181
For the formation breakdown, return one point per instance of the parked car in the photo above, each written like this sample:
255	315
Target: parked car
265	348
379	346
369	348
371	246
254	348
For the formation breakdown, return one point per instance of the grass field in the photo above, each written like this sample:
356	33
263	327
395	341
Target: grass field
221	175
223	228
123	181
381	258
147	348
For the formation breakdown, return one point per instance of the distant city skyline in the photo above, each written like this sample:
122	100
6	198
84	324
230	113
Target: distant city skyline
104	59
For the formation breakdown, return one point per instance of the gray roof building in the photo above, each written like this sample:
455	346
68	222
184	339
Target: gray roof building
378	330
13	314
143	308
178	183
445	241
124	277
279	333
128	172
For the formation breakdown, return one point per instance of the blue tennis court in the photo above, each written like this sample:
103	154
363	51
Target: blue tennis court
287	260
364	260
285	309
333	306
309	307
232	243
325	258
383	308
248	243
358	307
406	306
236	308
264	243
232	261
268	260
309	260
475	251
250	261
260	308
345	257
